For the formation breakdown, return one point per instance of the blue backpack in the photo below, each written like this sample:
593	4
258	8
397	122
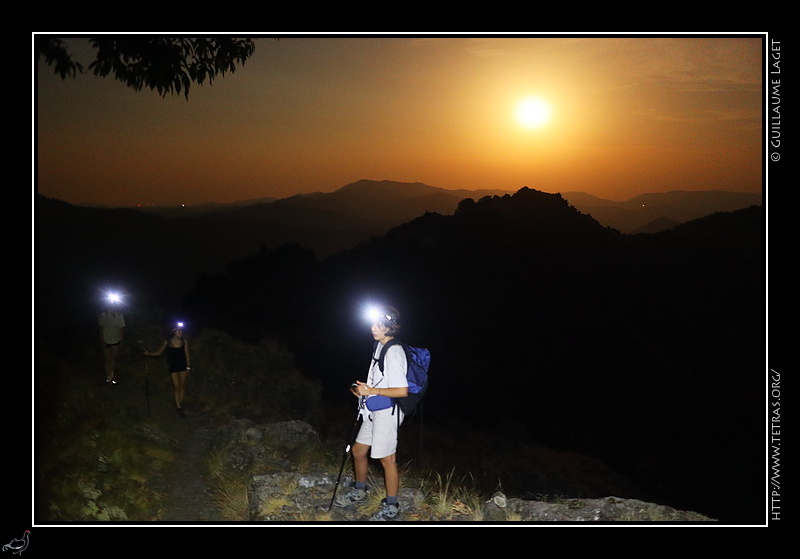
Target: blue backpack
419	360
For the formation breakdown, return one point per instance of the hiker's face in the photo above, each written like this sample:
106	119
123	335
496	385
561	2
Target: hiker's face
379	331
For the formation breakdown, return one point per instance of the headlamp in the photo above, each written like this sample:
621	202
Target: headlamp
372	314
378	314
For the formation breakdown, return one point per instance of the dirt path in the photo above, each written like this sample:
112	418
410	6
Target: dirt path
187	493
188	496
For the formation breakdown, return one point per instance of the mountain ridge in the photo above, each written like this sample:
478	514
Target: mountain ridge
656	211
647	212
327	223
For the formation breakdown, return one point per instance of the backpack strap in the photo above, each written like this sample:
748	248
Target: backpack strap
385	348
380	360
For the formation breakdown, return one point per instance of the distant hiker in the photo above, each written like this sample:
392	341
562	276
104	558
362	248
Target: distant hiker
178	360
111	324
377	437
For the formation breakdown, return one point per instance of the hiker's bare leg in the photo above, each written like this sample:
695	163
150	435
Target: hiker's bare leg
391	477
360	461
178	387
110	360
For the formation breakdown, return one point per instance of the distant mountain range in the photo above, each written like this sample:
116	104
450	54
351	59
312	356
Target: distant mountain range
197	240
649	213
377	201
396	202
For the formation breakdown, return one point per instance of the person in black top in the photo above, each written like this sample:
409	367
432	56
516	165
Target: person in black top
178	361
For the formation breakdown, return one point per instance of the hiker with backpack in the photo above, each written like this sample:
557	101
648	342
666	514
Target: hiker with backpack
380	417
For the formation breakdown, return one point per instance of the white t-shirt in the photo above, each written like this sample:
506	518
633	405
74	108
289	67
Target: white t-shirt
394	368
112	323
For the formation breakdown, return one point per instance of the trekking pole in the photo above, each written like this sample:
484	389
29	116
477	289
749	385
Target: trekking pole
350	442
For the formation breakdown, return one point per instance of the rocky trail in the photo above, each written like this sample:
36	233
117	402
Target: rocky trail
189	498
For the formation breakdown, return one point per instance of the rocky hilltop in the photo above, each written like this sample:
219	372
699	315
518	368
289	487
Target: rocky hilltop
284	492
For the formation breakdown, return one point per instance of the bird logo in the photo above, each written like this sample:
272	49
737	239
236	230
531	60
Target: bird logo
18	545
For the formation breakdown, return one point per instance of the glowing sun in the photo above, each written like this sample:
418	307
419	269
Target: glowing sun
533	112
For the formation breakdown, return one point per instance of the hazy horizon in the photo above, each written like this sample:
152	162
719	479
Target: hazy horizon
317	192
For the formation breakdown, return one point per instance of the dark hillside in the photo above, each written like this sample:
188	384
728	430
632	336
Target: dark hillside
645	351
628	348
617	346
79	252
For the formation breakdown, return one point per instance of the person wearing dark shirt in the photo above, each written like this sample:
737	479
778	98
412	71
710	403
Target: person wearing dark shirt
177	350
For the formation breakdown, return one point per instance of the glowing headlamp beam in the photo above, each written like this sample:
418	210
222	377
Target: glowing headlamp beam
113	297
374	314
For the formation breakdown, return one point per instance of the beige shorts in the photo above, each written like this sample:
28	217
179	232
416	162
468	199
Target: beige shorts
379	431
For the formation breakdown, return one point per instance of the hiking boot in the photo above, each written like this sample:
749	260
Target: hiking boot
353	497
388	512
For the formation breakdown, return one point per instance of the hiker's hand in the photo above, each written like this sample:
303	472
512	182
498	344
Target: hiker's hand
355	388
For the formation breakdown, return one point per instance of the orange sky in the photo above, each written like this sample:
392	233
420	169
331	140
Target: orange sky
628	115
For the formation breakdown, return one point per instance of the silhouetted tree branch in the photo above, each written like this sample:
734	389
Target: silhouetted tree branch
169	65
